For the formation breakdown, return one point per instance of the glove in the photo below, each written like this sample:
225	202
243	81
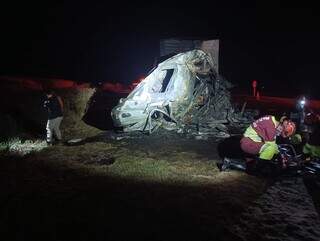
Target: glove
268	150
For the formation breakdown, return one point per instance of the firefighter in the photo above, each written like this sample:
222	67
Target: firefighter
54	106
259	141
260	137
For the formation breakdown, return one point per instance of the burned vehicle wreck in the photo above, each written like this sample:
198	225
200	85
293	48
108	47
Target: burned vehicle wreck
183	93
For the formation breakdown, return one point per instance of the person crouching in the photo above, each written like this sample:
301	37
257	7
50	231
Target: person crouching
259	139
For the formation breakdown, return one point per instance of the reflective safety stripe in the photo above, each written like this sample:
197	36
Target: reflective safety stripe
268	150
252	134
275	122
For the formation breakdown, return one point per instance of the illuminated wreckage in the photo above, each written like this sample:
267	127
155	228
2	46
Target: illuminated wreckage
182	93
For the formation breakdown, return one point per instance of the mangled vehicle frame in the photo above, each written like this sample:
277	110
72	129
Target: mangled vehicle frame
183	92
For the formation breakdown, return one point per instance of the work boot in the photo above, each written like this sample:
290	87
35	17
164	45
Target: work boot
225	164
233	164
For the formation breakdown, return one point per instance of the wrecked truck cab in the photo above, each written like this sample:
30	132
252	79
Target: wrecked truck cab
164	97
161	95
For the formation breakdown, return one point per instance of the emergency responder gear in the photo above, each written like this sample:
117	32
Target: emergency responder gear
259	138
289	128
268	150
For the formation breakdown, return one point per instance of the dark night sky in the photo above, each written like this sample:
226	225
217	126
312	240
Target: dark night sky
99	42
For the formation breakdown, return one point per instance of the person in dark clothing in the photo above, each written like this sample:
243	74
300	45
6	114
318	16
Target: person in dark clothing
312	146
54	106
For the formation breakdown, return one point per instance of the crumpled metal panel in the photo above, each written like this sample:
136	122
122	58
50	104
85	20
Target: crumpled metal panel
180	92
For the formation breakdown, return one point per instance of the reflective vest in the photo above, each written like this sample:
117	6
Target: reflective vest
263	129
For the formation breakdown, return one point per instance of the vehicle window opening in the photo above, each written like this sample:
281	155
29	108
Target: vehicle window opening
166	80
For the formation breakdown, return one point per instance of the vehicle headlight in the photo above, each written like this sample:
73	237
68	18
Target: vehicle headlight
302	102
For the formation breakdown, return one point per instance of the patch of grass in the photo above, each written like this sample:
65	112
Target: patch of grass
174	167
184	168
75	104
16	146
179	165
4	147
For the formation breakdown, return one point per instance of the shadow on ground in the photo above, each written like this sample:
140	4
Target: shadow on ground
43	202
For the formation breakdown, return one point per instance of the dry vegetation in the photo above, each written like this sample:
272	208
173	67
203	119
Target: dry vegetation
75	104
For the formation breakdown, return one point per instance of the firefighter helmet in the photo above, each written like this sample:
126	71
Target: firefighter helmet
289	128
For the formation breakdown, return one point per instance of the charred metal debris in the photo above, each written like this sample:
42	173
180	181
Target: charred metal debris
183	94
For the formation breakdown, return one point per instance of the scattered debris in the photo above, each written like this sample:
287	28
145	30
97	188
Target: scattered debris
185	94
203	176
74	142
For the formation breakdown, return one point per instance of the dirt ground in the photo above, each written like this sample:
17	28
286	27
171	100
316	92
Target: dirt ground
162	187
138	187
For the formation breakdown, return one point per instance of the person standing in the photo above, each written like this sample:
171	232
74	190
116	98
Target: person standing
54	106
312	146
